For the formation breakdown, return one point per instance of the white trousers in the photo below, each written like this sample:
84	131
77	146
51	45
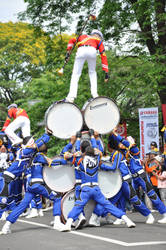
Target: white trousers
21	122
83	54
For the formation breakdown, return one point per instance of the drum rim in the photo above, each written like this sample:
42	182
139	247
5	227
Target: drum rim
61	102
62	201
98	98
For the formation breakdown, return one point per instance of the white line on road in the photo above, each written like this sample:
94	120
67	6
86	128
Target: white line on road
118	242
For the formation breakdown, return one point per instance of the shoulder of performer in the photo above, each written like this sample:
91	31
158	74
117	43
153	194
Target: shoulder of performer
41	156
116	155
11	113
82	37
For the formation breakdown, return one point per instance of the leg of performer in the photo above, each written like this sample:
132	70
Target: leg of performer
92	71
77	70
33	207
13	126
99	211
81	218
78	207
99	198
57	224
13	216
130	194
121	204
95	217
157	203
25	127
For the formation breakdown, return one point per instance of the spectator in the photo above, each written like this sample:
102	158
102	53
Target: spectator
162	181
153	146
153	168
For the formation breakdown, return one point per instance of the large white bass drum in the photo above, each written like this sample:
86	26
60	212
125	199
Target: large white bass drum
64	119
60	178
110	182
101	114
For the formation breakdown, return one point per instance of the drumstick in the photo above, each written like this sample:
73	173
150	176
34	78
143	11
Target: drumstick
91	18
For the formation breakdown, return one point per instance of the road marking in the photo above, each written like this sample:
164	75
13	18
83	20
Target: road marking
118	242
35	223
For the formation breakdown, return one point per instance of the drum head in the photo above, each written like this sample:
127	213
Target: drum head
64	119
67	204
60	178
102	115
110	182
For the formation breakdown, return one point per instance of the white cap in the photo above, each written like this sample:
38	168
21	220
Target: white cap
131	140
13	105
158	158
97	32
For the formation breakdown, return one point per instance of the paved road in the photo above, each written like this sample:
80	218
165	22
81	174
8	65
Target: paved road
36	234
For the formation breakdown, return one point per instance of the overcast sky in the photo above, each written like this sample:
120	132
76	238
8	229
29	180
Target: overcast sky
9	10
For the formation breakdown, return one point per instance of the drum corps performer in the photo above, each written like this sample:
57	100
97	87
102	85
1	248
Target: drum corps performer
87	47
21	120
89	164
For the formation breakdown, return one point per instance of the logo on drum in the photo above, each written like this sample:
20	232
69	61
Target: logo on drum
71	198
99	105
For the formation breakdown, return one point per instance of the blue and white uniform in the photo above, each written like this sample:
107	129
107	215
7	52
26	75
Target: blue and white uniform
139	176
89	167
127	191
37	187
23	160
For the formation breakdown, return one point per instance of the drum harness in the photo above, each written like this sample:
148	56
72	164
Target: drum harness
141	171
128	176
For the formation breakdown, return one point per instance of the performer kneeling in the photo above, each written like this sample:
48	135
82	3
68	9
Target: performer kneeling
88	164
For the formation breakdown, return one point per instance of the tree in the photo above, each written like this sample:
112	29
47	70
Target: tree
151	32
23	56
115	19
54	16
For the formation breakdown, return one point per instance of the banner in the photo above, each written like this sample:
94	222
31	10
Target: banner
164	113
122	129
149	129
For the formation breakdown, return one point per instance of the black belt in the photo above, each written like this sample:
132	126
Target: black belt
135	175
36	182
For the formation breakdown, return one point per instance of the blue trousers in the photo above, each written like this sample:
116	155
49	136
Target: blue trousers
32	191
93	193
126	192
36	202
143	181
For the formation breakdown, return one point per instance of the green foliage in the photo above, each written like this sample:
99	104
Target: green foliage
29	61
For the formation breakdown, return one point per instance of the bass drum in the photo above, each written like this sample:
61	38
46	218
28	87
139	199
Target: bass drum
101	114
60	178
64	119
110	182
67	204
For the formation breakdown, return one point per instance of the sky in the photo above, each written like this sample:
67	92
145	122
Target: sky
9	10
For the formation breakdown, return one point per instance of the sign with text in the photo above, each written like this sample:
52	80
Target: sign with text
122	129
149	129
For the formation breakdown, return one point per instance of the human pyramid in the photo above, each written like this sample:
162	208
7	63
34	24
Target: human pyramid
100	115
